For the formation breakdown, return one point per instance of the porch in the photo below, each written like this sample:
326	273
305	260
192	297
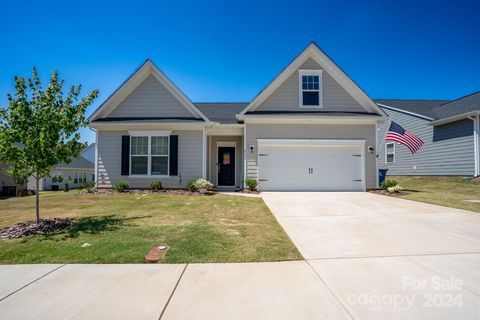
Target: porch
225	157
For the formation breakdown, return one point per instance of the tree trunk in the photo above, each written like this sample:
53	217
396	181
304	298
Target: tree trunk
37	199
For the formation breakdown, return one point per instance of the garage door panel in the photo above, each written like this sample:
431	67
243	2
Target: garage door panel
311	167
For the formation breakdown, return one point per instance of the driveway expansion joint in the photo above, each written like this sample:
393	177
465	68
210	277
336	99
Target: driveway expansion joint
330	290
46	274
173	292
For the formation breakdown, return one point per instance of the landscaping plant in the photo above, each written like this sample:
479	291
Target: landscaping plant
39	127
395	189
388	184
156	185
121	186
251	184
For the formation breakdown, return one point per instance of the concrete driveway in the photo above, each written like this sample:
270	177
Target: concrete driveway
370	250
367	257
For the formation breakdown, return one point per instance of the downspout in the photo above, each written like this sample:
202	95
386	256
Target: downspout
476	142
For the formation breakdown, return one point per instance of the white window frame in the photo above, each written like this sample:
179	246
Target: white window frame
386	152
149	135
318	73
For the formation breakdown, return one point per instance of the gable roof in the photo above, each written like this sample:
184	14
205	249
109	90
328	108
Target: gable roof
314	52
146	69
419	107
438	111
460	106
76	163
222	112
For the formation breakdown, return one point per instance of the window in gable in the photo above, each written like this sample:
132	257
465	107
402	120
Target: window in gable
310	89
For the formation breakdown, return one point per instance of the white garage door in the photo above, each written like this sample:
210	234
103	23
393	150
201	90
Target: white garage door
323	165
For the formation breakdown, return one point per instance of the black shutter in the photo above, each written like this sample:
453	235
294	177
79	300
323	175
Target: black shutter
125	155
174	155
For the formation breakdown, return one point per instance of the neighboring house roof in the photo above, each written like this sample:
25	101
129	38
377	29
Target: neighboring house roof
314	52
420	107
460	106
438	111
76	163
222	112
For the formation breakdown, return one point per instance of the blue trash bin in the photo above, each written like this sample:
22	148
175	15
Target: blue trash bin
382	173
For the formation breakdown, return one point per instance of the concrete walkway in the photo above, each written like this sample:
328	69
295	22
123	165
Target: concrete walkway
368	257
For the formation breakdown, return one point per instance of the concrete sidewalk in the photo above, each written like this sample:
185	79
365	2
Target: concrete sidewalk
321	289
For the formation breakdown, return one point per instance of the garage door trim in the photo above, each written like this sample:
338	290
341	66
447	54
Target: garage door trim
313	143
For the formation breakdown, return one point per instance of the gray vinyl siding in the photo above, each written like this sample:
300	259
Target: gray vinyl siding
213	158
151	99
312	131
286	98
190	159
448	149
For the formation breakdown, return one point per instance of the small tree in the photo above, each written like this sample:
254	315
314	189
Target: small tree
39	128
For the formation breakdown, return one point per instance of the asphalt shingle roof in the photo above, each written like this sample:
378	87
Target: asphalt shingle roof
421	107
222	112
460	106
79	162
436	109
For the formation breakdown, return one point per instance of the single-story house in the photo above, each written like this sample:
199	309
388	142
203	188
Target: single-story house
79	170
310	128
450	132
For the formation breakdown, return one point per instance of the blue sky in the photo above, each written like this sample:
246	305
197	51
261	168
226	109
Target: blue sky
229	50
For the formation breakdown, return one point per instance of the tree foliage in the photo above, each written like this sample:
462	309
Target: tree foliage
39	127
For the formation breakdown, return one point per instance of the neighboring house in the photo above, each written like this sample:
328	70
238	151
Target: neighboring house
89	153
80	170
311	128
449	129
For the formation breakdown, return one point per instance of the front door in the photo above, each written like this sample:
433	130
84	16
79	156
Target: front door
226	166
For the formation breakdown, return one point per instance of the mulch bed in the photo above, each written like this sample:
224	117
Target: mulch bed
249	191
183	192
386	193
30	228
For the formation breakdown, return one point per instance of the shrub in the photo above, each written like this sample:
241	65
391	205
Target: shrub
54	179
388	183
121	186
395	189
66	185
202	184
252	184
156	185
195	185
89	185
191	185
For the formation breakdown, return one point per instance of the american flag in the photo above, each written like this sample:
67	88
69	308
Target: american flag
398	134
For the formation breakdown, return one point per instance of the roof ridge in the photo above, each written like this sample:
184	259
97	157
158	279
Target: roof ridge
466	96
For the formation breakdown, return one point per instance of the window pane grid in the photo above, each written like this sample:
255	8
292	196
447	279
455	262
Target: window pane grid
149	155
310	83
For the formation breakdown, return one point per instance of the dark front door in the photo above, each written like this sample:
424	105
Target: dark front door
226	166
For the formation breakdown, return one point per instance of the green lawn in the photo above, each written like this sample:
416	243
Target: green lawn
445	191
121	228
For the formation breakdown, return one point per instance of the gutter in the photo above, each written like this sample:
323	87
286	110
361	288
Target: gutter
404	111
468	115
